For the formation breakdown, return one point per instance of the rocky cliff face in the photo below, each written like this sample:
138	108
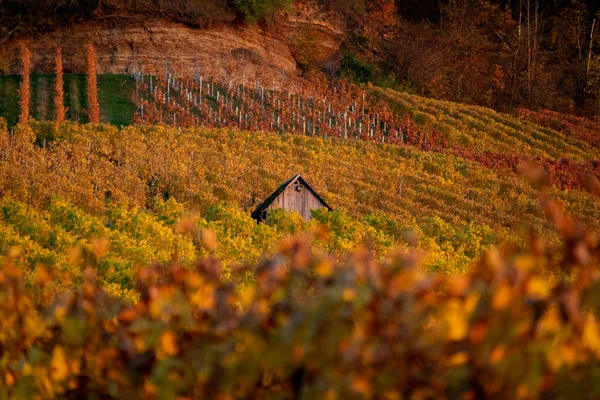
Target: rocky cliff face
124	45
309	28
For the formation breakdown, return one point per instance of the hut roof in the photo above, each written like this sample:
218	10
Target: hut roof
256	214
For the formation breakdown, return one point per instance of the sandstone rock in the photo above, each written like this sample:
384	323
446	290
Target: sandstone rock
243	51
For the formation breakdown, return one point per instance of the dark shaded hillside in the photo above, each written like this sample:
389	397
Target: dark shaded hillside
535	54
432	10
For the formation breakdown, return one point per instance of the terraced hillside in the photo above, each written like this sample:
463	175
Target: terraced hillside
483	129
476	128
451	176
132	185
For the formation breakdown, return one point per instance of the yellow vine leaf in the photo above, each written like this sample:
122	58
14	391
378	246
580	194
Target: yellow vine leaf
458	359
456	321
502	297
9	378
538	288
349	294
591	336
525	262
497	354
100	247
324	268
168	343
60	369
361	384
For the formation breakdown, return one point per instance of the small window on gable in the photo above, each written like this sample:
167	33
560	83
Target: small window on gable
298	186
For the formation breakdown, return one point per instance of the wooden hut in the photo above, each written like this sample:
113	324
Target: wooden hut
295	194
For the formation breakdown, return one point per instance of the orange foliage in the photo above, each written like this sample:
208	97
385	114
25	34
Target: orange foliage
585	129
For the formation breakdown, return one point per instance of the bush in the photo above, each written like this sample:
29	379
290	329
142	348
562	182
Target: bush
258	10
356	70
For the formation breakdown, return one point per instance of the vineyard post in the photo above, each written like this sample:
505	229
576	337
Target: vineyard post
400	187
137	87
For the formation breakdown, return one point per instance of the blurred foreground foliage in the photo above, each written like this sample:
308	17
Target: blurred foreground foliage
519	324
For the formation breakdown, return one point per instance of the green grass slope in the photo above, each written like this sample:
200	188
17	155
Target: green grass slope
115	93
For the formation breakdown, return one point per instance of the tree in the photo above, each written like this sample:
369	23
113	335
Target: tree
94	107
25	83
593	82
257	10
59	99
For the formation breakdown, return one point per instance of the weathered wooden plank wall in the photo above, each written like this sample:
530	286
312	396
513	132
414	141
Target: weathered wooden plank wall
302	201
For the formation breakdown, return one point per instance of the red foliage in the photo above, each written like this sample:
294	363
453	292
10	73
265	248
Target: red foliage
587	130
565	174
342	110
